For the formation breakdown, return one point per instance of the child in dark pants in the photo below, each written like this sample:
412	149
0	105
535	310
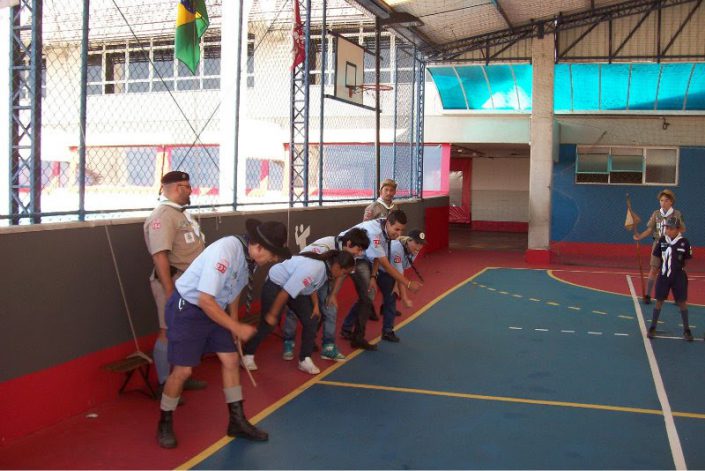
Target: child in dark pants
673	249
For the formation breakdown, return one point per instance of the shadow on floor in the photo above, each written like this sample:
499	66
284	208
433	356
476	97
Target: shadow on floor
461	237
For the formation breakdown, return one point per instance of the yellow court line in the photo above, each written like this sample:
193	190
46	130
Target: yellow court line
318	379
518	400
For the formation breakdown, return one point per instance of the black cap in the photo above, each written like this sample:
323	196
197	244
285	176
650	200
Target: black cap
418	236
672	222
269	234
174	177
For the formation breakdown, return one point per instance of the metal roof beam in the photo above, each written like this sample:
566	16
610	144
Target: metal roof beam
559	23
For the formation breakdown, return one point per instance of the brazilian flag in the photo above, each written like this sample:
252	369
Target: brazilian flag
191	23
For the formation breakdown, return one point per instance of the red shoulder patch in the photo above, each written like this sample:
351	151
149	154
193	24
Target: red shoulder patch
156	224
222	266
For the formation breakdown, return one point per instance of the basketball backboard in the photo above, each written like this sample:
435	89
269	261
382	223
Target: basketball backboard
349	70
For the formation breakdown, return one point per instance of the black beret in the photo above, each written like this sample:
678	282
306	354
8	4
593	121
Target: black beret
174	177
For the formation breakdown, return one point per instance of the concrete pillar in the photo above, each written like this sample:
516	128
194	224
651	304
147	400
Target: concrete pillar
229	106
543	135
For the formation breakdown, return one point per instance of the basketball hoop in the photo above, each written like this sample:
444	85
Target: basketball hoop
370	89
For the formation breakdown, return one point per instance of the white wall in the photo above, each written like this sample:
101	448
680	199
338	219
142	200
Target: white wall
500	189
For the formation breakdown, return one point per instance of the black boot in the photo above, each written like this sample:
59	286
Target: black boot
165	430
238	426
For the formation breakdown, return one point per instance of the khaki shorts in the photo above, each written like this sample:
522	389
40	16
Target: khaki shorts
655	261
160	296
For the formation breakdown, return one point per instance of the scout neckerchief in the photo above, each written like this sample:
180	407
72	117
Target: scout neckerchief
667	255
664	216
410	258
387	207
194	225
251	267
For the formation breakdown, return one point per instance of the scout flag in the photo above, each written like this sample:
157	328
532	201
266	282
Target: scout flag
191	23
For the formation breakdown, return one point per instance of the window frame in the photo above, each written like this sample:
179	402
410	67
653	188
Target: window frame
612	151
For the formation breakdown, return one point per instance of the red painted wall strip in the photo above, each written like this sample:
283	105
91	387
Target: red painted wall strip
436	228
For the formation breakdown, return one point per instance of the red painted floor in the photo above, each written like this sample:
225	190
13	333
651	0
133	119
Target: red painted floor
122	433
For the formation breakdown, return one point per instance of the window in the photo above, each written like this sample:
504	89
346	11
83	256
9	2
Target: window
619	165
149	66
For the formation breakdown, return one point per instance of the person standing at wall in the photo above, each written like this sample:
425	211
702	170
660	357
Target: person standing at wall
174	239
198	322
655	228
381	207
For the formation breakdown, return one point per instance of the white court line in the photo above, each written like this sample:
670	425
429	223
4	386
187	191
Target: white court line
594	333
567	331
541	330
516	328
621	335
673	439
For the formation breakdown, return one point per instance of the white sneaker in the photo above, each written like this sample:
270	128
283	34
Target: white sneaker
307	366
248	361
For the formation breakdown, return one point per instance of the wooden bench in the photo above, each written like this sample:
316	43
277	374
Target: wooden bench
128	366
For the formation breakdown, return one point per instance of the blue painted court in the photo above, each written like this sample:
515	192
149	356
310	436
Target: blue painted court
512	369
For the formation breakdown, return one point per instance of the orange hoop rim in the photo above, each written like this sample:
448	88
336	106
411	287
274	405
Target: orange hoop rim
375	87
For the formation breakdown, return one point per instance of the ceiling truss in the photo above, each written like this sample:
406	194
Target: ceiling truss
495	43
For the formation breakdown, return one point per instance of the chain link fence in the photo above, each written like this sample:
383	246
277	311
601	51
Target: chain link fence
147	114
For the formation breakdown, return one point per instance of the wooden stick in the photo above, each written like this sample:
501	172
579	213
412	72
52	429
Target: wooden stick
638	257
252	379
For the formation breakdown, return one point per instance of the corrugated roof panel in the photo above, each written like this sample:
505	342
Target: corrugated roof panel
504	92
562	86
673	85
586	89
449	88
696	91
615	86
476	88
642	88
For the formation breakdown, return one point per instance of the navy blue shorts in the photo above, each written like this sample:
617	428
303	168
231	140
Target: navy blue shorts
192	333
677	283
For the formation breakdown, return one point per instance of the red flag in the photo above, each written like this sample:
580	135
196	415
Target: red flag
298	50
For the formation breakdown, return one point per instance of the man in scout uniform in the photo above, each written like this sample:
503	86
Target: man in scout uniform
174	239
384	204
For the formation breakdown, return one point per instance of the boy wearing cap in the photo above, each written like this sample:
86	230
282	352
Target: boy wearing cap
403	252
654	227
672	250
384	204
198	322
174	239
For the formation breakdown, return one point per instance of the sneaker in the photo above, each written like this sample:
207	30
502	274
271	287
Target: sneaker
687	335
307	366
651	332
390	336
346	334
398	314
248	361
647	299
330	352
192	384
374	316
288	353
363	344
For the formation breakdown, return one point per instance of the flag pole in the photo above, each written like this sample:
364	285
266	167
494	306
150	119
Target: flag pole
638	257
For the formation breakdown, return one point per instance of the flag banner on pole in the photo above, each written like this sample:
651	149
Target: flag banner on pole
632	219
191	23
298	49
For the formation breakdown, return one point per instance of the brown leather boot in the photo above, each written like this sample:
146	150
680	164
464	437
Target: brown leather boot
238	426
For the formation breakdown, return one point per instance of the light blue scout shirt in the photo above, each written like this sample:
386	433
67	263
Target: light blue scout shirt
378	240
299	275
398	258
221	271
322	245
